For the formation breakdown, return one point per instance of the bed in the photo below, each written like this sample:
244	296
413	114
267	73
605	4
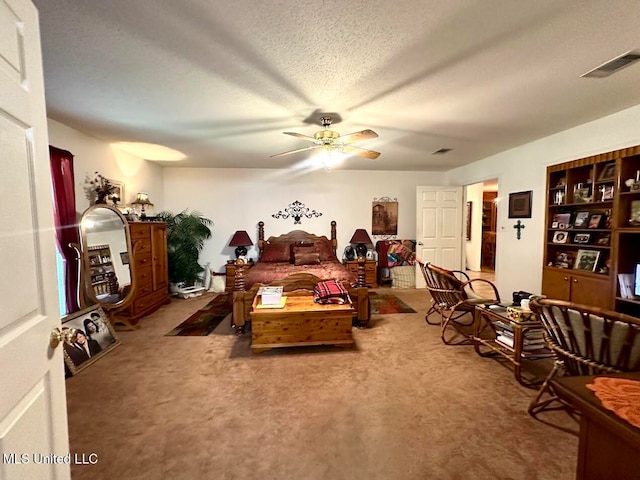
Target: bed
297	261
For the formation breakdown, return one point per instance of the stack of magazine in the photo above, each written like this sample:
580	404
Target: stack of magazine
532	346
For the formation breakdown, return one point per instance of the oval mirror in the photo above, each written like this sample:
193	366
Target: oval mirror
106	249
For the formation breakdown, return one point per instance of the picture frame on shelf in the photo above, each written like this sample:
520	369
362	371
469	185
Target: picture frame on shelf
634	218
554	225
587	260
562	220
563	260
583	238
607	192
595	220
560	236
582	195
603	240
94	338
520	204
582	219
608	172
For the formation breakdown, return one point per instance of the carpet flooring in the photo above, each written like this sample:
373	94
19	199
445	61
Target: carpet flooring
400	405
206	320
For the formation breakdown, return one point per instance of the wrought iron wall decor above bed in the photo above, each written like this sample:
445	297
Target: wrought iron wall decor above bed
297	210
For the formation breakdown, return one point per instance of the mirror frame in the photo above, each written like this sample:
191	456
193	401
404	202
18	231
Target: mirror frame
85	276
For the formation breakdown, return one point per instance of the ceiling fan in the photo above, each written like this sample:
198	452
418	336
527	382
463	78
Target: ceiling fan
328	139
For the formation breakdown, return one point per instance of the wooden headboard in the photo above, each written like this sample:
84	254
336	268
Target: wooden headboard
296	236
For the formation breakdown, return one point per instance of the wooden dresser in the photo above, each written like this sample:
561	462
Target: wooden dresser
149	244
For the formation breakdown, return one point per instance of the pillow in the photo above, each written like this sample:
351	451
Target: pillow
325	249
304	257
403	277
275	252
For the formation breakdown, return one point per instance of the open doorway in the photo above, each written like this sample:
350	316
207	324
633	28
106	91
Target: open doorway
480	245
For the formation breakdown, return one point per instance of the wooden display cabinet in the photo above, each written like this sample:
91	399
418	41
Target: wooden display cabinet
103	279
593	188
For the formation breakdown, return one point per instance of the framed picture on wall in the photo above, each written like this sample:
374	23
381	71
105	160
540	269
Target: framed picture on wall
520	204
117	195
384	217
469	208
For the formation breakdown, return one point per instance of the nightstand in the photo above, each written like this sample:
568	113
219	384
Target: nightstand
230	271
369	271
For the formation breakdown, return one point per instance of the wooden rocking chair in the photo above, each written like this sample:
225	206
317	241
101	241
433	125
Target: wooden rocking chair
585	340
453	297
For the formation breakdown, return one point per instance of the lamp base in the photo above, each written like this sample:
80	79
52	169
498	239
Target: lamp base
361	250
241	251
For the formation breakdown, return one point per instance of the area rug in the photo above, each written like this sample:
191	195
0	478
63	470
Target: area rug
205	320
386	303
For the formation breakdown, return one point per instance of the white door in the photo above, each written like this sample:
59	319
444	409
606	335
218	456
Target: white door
439	227
33	412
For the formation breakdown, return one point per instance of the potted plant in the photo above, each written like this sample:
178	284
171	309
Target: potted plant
186	233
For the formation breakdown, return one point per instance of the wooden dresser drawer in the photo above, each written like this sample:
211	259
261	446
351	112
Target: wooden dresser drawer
149	301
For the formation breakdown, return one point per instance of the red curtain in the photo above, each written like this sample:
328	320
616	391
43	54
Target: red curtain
64	206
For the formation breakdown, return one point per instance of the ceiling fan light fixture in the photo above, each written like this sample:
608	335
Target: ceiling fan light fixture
331	140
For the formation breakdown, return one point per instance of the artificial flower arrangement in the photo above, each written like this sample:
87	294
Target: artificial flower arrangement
102	187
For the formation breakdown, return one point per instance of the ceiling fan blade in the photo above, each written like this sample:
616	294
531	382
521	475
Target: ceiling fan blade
294	151
299	135
357	136
361	152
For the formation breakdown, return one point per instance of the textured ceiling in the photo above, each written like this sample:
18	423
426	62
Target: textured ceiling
220	81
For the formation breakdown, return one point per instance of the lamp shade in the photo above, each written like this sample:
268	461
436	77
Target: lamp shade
361	236
241	241
142	201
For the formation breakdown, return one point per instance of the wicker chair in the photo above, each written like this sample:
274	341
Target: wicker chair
453	297
585	340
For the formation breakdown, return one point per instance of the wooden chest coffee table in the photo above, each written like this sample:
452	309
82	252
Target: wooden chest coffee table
300	322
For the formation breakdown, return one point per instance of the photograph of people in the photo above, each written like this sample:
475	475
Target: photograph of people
97	330
81	348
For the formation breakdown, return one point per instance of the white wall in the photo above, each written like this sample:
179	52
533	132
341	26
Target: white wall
473	247
237	199
519	262
91	155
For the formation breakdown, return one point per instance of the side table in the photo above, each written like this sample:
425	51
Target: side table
370	279
494	317
609	446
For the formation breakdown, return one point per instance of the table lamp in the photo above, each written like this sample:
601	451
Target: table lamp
241	241
142	201
361	239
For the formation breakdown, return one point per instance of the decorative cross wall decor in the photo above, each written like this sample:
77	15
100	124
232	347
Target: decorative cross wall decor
296	210
519	226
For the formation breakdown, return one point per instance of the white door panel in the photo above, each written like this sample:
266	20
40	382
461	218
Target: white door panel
33	417
439	227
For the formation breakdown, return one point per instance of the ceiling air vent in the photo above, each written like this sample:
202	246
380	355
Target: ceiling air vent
612	66
442	151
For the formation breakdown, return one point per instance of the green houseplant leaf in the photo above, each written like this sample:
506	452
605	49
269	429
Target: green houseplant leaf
186	233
